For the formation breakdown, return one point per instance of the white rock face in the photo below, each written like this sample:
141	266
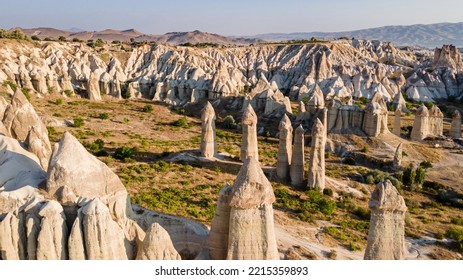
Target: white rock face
455	127
53	235
386	237
249	136
251	229
448	56
90	179
284	148
298	160
397	128
103	238
157	245
316	176
12	237
19	118
397	162
217	241
208	143
427	123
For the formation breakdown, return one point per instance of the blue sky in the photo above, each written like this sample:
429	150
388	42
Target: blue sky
227	17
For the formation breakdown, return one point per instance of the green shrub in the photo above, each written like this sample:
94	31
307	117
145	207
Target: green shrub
68	92
409	175
78	122
229	122
364	149
370	180
26	93
148	108
59	101
328	192
104	116
123	153
457	235
428	104
180	123
425	164
161	166
420	176
51	130
35	38
12	85
362	213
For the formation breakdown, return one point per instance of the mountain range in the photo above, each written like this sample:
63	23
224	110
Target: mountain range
422	35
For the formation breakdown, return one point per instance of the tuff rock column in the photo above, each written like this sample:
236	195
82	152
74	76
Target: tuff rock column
397	162
249	137
208	143
297	159
396	128
316	177
251	229
386	238
420	128
157	245
284	148
455	127
217	242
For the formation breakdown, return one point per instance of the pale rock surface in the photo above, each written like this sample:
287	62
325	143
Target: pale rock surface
93	87
397	128
103	238
397	162
157	245
19	118
53	234
217	241
316	174
249	146
455	127
12	236
35	144
251	228
448	56
208	142
284	148
297	159
386	236
420	128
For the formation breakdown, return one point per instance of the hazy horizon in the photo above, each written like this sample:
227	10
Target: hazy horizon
239	17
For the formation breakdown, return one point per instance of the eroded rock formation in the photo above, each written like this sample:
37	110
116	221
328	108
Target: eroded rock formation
157	245
249	136
208	143
427	123
386	237
251	229
397	116
397	161
297	159
284	148
455	126
316	174
448	56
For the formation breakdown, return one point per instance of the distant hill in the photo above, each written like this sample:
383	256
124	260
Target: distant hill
424	35
172	38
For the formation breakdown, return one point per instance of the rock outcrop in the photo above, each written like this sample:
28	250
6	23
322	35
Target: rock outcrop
53	234
427	123
284	148
157	245
19	119
297	159
93	87
455	126
397	161
249	136
386	236
316	174
217	242
397	128
208	143
251	229
448	56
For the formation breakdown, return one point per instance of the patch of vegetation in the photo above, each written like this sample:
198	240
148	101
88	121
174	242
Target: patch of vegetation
229	122
364	149
182	123
12	85
104	116
124	152
13	34
148	108
68	92
26	93
59	101
457	235
78	122
200	45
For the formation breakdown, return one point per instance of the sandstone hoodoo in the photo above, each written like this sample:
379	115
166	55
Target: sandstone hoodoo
397	162
208	142
249	136
428	123
157	245
397	129
316	174
284	148
297	159
386	236
448	56
217	242
251	230
455	126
